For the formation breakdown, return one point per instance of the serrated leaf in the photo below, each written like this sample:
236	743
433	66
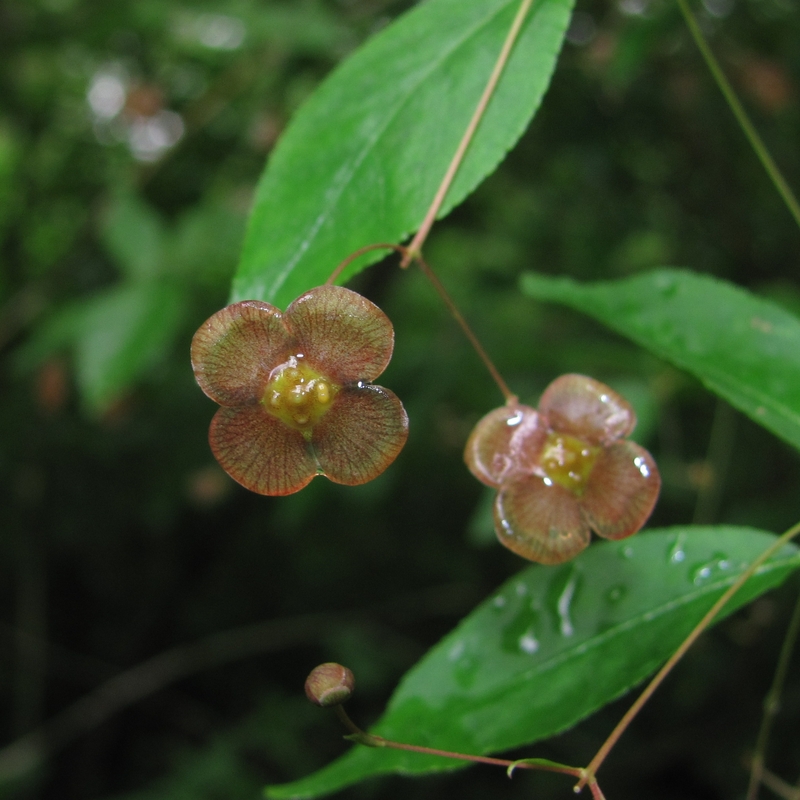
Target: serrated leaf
744	348
553	645
361	161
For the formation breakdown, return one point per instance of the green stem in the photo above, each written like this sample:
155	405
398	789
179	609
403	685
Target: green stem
772	702
741	115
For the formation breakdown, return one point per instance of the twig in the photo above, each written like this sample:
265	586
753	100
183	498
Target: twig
415	247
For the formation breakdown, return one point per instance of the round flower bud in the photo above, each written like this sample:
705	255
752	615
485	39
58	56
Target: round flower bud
329	684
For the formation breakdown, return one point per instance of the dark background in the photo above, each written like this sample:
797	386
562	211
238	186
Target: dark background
121	541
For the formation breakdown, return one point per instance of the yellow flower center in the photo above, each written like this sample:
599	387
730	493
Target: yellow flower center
568	461
298	395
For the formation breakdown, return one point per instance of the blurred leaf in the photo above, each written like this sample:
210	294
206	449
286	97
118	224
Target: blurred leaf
124	331
555	644
206	244
361	161
744	348
135	236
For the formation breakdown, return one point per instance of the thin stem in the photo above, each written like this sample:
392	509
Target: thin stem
780	787
415	247
772	703
741	115
342	266
371	740
718	458
626	720
448	301
477	346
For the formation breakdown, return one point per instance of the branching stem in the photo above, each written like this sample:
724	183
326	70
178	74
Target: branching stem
772	702
446	298
626	720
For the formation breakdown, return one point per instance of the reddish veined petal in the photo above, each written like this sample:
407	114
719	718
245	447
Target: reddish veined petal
342	334
621	491
588	409
506	441
360	435
234	350
261	452
539	522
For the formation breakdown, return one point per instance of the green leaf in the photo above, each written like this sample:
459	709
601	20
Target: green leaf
361	161
744	348
134	235
553	645
123	333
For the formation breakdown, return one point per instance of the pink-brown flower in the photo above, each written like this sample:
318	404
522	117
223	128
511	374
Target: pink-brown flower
296	392
564	470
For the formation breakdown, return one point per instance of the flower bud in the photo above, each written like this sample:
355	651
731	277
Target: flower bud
329	684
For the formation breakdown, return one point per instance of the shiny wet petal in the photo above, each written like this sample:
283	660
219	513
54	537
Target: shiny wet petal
621	491
341	333
234	350
539	522
360	435
585	408
508	440
261	453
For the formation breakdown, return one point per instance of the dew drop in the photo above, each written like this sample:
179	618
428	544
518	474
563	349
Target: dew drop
616	593
456	651
702	572
563	607
528	643
499	601
676	553
626	551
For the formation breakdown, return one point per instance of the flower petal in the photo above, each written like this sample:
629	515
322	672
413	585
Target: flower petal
341	333
588	409
234	350
260	452
540	522
506	441
360	435
621	491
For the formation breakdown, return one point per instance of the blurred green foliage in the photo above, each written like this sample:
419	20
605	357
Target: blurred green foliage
131	137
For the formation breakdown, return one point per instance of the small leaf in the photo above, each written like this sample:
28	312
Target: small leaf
553	645
361	161
744	348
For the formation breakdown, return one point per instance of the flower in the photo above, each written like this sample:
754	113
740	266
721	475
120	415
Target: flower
564	470
295	390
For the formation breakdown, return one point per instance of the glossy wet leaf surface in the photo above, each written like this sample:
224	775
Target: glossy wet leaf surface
744	348
554	644
361	161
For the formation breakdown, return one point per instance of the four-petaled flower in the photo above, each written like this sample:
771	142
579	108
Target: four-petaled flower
296	393
564	470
